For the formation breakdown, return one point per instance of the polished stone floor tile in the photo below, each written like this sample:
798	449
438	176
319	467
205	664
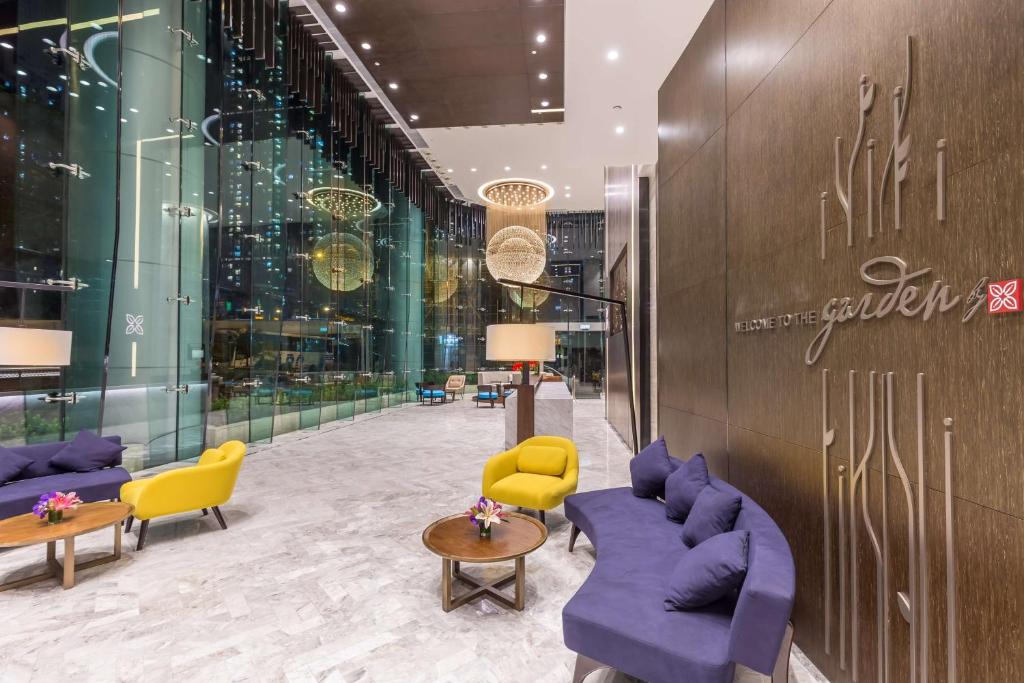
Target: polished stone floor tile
321	575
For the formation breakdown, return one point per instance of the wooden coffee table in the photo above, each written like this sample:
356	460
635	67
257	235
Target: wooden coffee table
456	540
29	530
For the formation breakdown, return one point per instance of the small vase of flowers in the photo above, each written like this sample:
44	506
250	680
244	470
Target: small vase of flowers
51	506
483	514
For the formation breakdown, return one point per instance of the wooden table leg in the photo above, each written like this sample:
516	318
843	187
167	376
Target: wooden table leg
51	552
520	582
446	584
117	541
69	562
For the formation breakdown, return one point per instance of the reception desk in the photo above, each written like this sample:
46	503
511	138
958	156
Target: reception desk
553	412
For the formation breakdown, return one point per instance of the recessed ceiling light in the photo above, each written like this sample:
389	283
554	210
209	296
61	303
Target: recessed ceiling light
449	170
542	38
393	85
508	168
364	45
6	46
613	55
340	7
472	170
567	195
543	167
533	52
376	63
542	76
568	187
545	103
619	130
414	117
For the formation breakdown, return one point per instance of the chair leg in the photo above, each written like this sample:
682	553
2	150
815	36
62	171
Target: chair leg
220	517
142	534
781	672
541	515
584	667
574	533
128	523
205	512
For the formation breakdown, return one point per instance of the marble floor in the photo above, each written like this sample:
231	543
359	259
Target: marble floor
321	576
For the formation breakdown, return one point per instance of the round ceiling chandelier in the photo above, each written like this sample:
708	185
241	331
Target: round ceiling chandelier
534	298
344	204
516	253
442	278
516	193
342	262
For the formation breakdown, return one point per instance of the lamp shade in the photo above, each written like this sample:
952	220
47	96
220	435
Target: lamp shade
27	347
520	341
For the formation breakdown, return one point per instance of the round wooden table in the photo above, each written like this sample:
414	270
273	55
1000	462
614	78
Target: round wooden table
456	540
28	529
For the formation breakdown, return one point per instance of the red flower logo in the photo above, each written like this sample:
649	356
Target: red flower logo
1005	296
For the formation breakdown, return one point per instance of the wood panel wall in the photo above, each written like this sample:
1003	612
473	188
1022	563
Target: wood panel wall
747	122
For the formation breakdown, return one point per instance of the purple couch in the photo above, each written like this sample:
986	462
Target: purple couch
18	497
618	619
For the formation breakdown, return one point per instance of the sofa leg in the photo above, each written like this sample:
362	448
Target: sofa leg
128	523
781	672
540	513
584	667
220	517
574	533
142	534
205	512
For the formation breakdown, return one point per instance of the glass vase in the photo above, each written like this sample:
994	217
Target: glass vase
54	516
485	531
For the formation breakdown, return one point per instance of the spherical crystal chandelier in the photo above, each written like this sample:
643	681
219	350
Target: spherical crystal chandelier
516	253
342	262
442	278
534	298
344	204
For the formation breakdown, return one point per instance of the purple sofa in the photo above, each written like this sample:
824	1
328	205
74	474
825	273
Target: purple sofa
18	497
618	618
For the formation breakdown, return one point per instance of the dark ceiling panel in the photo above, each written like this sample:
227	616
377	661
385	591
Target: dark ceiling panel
461	62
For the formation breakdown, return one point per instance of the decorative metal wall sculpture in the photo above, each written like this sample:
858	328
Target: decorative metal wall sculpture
913	603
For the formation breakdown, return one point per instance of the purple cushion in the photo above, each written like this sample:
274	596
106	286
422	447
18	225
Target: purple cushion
711	571
18	497
86	453
650	468
713	513
683	486
11	465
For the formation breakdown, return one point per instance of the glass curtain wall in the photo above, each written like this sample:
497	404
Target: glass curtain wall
235	241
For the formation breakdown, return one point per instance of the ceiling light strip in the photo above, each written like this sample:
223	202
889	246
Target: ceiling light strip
549	110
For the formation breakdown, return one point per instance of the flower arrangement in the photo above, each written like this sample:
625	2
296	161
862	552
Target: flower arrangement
484	513
51	506
518	366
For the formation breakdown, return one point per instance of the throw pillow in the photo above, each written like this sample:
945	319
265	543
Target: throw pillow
714	512
548	460
708	572
650	468
11	465
87	452
683	486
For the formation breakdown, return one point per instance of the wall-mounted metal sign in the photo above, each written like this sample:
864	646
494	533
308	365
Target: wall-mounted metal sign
898	294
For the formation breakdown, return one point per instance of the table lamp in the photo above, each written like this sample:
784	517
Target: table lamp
524	342
28	347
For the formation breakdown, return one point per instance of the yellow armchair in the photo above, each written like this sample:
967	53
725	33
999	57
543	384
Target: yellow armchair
537	474
207	485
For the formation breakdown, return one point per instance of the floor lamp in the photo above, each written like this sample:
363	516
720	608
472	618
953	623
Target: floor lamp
525	343
625	331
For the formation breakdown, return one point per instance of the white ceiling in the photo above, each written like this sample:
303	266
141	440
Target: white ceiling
649	36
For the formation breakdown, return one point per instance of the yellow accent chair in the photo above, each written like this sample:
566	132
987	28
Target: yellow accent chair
206	486
537	474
